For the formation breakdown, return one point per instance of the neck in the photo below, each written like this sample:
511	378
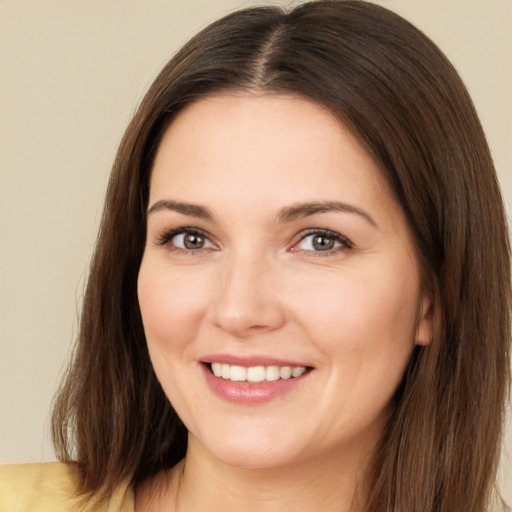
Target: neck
201	483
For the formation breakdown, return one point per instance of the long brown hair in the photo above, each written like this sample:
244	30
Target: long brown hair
405	102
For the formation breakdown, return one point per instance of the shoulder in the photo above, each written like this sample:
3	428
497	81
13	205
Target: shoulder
50	487
36	487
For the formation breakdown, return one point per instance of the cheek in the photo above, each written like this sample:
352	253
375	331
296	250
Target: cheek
364	321
365	328
171	308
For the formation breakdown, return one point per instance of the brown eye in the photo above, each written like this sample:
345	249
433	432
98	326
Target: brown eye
188	240
323	243
193	241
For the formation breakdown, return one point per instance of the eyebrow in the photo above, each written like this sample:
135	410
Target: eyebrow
286	214
302	210
193	210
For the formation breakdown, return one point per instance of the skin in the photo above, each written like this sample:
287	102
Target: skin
258	286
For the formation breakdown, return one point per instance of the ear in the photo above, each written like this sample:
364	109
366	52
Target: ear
424	327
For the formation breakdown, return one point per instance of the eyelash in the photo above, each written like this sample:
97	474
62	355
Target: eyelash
166	238
345	243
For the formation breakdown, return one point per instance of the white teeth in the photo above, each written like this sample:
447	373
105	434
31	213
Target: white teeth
297	372
285	372
238	373
256	373
217	369
272	373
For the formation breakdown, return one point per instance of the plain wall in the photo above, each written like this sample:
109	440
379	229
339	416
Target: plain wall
71	75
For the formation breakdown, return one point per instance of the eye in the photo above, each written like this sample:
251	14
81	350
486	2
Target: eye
190	241
185	239
322	241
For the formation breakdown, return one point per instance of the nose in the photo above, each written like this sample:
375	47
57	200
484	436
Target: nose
247	299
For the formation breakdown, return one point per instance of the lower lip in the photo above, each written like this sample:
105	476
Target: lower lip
250	392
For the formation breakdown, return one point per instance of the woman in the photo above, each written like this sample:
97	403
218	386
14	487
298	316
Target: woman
300	293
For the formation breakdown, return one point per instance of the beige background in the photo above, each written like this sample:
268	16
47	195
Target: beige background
71	74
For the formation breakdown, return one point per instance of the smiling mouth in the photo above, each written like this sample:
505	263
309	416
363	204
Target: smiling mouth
254	374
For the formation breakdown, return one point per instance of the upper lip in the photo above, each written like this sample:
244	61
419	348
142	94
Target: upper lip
254	360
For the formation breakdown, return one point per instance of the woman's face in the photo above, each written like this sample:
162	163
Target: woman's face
275	247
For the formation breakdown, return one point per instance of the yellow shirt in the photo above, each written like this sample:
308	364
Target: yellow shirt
51	487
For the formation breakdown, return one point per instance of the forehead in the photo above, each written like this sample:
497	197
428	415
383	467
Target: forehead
260	130
249	150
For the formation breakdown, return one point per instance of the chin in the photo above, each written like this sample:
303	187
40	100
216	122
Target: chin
251	452
249	459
